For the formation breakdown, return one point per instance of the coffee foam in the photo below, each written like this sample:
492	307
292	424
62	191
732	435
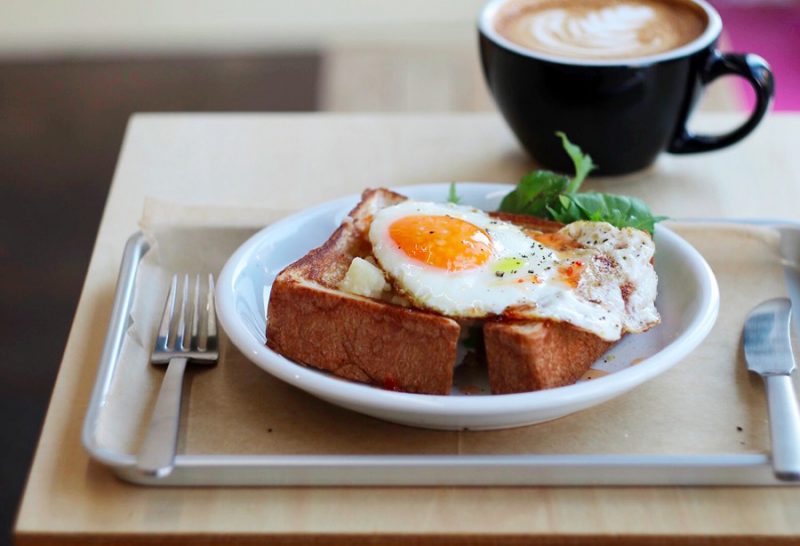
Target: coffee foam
599	29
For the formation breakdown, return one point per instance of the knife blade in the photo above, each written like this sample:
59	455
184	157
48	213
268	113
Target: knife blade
768	352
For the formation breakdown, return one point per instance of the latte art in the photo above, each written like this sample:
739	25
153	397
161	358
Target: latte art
605	29
613	31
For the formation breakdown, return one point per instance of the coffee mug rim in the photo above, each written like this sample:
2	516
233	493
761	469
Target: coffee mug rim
711	33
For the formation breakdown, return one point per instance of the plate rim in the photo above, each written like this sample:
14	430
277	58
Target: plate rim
353	393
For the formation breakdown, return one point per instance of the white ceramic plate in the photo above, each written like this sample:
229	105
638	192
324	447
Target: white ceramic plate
688	302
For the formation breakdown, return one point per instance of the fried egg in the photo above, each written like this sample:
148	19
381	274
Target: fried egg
461	262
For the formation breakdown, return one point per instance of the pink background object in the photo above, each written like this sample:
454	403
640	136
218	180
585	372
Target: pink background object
772	30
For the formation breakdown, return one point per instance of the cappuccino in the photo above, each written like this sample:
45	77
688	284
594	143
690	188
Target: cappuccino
600	29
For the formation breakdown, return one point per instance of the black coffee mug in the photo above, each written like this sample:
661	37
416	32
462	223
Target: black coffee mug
622	113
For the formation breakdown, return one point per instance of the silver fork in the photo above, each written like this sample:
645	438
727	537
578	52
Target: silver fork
157	457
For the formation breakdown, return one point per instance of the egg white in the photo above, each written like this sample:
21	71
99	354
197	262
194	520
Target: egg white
615	293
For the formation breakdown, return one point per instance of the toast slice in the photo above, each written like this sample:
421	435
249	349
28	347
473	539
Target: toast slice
312	322
375	341
533	355
530	355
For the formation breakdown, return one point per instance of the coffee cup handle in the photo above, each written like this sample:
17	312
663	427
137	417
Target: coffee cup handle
748	66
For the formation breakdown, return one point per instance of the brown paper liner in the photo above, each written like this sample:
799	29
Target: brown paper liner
706	404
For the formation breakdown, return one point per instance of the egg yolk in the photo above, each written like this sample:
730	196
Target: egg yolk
443	242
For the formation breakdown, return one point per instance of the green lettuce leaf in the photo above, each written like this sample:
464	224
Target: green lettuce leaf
554	196
452	196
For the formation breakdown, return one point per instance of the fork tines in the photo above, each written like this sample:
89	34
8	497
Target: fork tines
192	330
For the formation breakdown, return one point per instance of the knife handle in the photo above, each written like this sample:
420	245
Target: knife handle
784	419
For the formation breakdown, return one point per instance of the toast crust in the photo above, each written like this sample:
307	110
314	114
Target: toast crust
362	339
528	222
357	338
535	355
328	264
400	348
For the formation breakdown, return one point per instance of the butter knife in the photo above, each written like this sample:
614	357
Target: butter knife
768	352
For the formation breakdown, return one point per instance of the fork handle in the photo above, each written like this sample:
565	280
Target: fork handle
784	421
157	457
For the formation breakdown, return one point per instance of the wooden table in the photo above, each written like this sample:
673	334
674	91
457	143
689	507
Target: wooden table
293	161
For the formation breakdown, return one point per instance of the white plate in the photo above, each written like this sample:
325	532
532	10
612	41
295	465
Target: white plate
688	302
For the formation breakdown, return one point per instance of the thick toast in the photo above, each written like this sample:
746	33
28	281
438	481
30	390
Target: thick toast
354	337
401	348
535	355
525	355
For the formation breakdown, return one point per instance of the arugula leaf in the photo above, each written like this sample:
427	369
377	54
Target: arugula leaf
555	196
618	210
452	196
534	193
583	163
474	338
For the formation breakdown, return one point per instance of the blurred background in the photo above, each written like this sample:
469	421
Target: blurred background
71	73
